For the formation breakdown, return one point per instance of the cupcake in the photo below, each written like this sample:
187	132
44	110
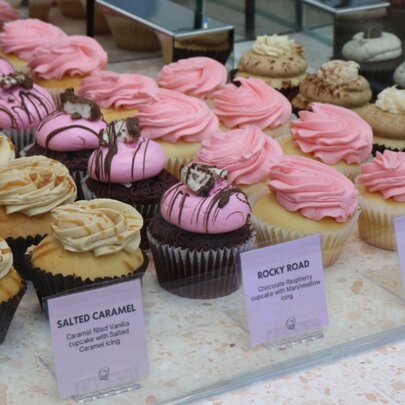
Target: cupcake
69	135
91	242
198	77
39	9
23	105
252	102
7	149
29	188
20	39
129	168
7	13
118	94
62	63
72	9
336	82
195	239
387	119
377	56
12	289
178	123
306	197
399	76
333	135
381	198
277	60
246	155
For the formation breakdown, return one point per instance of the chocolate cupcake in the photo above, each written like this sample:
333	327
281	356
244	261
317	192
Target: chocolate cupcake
128	168
195	239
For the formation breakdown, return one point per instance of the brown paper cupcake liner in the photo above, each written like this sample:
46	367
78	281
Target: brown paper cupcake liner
47	284
72	9
18	247
200	274
39	9
381	148
8	309
20	138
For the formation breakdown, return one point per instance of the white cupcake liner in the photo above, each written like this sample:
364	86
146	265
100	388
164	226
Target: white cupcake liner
20	137
376	225
332	242
200	274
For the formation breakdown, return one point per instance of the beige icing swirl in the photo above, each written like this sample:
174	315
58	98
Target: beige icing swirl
275	45
339	71
6	258
7	149
391	100
34	185
102	226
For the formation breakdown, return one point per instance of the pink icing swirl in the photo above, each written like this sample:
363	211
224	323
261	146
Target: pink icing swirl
252	103
312	188
117	90
60	133
132	162
172	116
182	207
385	174
24	108
199	76
332	134
23	37
76	55
245	153
5	67
7	13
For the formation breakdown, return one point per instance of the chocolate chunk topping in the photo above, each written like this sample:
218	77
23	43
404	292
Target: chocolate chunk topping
237	83
127	129
201	178
15	79
79	107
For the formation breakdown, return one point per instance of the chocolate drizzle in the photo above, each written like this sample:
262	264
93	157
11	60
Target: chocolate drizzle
16	79
79	107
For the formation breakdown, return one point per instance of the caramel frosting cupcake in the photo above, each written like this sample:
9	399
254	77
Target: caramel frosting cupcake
12	288
7	149
336	82
29	188
276	59
91	241
387	119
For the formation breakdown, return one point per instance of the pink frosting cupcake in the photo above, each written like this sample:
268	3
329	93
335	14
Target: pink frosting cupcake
119	94
246	154
20	39
202	226
333	135
306	197
178	123
253	102
7	13
381	188
23	105
199	76
62	63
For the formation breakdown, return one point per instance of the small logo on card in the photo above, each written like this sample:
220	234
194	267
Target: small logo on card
104	373
290	323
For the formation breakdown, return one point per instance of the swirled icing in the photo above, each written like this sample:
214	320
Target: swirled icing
117	90
339	72
172	116
333	134
6	258
34	185
391	100
312	188
360	49
224	209
275	45
5	67
102	226
252	103
23	37
22	108
127	162
245	153
61	133
76	55
385	174
7	149
7	12
199	76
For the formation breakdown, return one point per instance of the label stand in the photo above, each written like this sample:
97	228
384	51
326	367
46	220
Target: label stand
105	386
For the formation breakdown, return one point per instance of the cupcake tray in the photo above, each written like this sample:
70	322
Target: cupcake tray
200	348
